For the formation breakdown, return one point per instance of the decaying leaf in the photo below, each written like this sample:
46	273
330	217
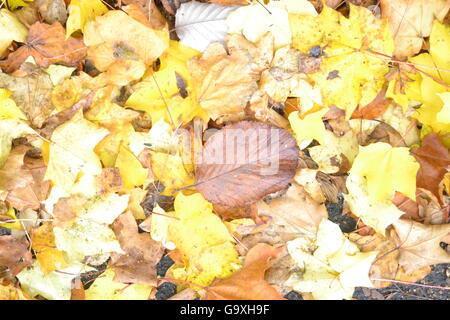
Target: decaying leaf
246	161
247	283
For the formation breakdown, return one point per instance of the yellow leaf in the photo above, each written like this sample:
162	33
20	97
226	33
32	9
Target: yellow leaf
378	214
158	93
131	170
166	161
13	4
331	265
53	286
444	115
12	225
11	129
111	48
207	246
387	170
309	128
71	151
43	244
11	29
254	20
8	108
348	65
105	288
82	11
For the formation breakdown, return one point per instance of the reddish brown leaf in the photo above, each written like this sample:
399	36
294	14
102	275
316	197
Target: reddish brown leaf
374	109
248	283
244	162
14	253
138	264
47	44
434	161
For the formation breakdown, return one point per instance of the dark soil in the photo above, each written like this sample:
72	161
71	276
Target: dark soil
165	291
439	277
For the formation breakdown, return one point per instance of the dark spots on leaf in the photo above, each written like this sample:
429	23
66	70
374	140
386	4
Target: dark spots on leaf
333	74
316	52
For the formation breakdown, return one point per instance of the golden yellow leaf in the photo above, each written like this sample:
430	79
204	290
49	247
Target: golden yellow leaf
309	128
131	170
347	65
11	29
105	288
387	170
82	11
204	241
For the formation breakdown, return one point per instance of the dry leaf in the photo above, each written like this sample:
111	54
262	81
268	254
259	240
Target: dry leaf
248	283
14	253
244	162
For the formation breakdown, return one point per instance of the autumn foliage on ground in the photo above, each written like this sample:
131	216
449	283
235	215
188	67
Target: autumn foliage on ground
113	117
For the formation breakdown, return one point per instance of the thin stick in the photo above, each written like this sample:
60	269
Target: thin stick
411	283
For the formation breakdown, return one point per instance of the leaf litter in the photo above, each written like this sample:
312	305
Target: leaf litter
223	149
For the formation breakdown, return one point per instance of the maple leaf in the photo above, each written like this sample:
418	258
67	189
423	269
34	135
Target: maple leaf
47	44
420	244
11	29
248	283
32	93
348	65
377	213
71	151
434	161
332	265
105	288
131	170
160	94
255	20
81	12
114	50
203	240
138	264
308	128
43	244
245	161
225	83
293	213
410	21
53	286
387	169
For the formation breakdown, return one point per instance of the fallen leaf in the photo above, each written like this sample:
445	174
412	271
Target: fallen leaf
410	21
105	288
434	160
387	169
331	265
225	83
200	24
14	253
11	129
81	12
248	283
246	161
138	264
71	151
203	240
11	30
420	244
47	44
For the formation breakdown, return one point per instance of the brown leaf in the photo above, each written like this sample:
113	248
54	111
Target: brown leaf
245	161
52	10
420	244
248	283
138	264
47	44
14	253
231	213
374	109
434	161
